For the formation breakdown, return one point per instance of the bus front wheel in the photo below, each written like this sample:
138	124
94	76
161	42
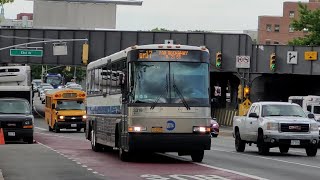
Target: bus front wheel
56	128
94	145
197	156
123	155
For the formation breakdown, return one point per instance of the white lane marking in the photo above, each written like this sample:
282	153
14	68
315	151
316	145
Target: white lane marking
89	169
288	162
214	167
40	128
49	134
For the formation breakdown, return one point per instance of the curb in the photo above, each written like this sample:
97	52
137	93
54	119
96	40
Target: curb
1	177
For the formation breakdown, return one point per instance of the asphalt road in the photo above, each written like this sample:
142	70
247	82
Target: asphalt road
37	162
221	162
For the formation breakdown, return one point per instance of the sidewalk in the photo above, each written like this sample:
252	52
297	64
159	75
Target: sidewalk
225	131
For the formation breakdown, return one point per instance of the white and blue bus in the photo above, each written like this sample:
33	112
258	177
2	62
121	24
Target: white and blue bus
55	79
150	98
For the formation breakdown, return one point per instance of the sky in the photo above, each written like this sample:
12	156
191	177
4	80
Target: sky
183	15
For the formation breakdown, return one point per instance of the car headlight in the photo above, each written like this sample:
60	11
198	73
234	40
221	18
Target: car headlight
84	117
314	127
272	126
61	117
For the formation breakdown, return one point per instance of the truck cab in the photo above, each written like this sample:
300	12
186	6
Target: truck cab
16	119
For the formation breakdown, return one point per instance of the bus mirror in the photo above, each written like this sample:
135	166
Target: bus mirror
104	92
53	106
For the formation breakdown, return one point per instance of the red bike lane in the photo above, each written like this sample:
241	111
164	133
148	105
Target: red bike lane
151	167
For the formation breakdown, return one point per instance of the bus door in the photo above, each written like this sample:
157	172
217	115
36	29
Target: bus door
124	108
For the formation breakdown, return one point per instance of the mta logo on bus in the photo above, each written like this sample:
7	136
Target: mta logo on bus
171	125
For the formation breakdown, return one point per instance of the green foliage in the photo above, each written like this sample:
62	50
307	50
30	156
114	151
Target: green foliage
162	30
308	20
80	72
6	1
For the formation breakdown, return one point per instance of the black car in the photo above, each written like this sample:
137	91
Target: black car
16	119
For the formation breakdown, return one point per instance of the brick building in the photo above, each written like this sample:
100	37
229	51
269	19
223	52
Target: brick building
29	15
277	29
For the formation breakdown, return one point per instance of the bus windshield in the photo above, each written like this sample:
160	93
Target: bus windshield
54	80
170	82
70	105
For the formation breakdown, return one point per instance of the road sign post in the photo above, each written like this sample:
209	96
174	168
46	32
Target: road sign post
26	52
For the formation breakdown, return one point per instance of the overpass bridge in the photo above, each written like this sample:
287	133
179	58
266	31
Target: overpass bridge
298	78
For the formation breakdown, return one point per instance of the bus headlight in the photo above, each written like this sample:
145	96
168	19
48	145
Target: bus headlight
136	129
61	117
201	129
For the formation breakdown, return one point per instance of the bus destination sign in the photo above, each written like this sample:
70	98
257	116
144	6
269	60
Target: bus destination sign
167	55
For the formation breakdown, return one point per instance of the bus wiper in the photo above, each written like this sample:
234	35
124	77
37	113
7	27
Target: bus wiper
180	94
161	95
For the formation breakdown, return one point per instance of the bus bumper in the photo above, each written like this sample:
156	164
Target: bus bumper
71	125
169	142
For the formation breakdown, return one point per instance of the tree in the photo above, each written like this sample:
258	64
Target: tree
80	72
5	1
308	21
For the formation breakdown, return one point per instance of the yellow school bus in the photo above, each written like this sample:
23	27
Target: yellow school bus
65	108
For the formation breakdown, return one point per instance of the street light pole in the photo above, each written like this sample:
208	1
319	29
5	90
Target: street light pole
74	74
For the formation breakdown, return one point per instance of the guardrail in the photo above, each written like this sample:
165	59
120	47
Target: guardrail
225	116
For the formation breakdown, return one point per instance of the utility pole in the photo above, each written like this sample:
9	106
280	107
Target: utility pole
74	74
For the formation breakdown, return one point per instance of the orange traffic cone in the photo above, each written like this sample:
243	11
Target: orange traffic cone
1	137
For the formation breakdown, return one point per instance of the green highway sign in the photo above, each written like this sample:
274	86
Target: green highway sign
26	52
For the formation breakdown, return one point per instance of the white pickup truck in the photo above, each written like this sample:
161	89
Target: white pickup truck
276	124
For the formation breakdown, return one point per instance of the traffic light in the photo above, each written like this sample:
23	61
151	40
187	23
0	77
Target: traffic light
85	53
240	92
246	92
273	62
218	60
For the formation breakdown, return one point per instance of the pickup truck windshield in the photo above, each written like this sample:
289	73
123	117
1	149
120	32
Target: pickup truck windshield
282	110
14	107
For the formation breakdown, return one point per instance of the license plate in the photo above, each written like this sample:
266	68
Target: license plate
11	133
157	130
295	142
73	125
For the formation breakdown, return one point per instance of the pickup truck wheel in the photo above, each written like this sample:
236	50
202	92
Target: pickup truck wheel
263	148
239	144
311	150
284	149
197	156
